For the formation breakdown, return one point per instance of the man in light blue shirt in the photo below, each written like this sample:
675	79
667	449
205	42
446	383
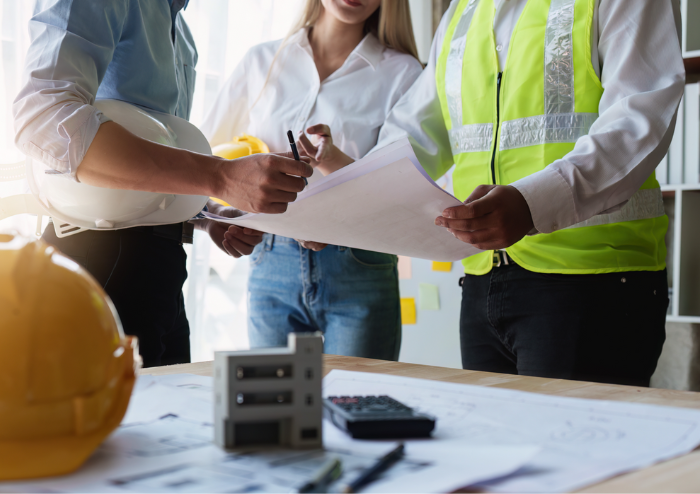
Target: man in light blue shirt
142	52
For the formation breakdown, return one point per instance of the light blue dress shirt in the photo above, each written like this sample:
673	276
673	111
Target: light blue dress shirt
140	51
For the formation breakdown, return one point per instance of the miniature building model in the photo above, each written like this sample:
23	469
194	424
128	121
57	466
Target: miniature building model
270	396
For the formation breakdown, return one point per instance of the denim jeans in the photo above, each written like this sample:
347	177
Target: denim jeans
350	295
601	327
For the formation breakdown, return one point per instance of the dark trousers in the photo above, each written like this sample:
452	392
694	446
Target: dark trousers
605	328
143	274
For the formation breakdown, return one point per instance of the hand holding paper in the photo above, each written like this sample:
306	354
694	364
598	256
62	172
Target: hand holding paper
384	202
493	217
233	240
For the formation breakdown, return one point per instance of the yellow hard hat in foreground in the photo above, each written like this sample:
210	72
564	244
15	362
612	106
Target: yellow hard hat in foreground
240	146
66	368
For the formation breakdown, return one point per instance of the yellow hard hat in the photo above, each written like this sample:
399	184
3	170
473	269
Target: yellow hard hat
243	145
66	368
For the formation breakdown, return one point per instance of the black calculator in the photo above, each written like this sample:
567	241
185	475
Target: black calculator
376	417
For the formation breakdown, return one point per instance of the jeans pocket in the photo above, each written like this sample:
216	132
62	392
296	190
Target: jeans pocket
258	253
370	259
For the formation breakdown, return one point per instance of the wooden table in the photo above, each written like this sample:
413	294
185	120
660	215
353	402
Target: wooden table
678	475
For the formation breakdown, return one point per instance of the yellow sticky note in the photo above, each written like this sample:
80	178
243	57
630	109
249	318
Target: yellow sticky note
408	310
442	266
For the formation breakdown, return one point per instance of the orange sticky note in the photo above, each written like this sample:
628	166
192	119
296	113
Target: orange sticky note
442	266
408	310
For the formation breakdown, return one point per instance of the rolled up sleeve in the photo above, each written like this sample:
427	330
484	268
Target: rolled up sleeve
72	43
643	80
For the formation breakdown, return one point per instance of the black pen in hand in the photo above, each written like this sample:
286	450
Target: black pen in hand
290	136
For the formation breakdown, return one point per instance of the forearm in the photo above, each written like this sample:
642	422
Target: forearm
117	159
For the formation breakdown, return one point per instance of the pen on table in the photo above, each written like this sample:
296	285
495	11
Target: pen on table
382	464
293	145
328	473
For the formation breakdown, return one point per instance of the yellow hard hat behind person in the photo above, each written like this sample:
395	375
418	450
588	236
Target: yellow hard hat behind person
66	369
243	145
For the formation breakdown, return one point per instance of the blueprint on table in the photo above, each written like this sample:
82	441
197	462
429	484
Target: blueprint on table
582	441
165	444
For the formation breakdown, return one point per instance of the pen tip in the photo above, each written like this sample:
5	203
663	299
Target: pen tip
290	136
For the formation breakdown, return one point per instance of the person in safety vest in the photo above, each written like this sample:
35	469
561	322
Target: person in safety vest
139	52
555	114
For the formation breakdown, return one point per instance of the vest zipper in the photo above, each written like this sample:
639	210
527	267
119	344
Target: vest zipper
498	124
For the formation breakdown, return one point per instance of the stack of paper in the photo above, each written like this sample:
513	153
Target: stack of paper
384	202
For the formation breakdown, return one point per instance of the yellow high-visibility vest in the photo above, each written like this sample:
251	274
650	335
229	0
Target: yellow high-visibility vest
504	126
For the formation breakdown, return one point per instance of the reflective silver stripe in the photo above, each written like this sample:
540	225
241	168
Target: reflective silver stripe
643	205
471	138
559	58
453	67
559	123
545	129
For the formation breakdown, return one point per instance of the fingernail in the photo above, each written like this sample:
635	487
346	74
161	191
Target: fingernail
447	213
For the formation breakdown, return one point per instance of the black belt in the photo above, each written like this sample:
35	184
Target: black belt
501	258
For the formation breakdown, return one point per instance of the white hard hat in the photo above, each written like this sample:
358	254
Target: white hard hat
96	208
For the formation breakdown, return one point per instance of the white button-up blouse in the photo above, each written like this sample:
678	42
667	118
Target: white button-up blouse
354	101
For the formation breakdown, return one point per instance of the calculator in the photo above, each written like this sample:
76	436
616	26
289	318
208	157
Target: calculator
376	417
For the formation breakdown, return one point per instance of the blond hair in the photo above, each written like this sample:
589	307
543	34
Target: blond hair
390	23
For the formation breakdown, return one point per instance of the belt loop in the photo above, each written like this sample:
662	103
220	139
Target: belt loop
187	233
269	242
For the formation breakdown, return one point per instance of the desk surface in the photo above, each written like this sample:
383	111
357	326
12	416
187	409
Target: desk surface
678	475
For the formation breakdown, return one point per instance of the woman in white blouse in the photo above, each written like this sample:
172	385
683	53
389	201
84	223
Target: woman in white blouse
345	65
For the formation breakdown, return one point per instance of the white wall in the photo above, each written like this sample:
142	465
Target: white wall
434	339
422	18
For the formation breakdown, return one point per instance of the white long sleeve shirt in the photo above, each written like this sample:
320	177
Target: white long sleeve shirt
635	43
354	101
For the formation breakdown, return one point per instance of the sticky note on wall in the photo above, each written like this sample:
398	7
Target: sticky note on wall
442	266
405	268
428	297
408	311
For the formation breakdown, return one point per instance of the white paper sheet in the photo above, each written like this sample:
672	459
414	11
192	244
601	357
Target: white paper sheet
384	202
582	441
165	445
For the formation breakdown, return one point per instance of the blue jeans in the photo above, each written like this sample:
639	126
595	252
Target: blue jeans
350	295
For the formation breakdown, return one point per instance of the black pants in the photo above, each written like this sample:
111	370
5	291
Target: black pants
143	274
604	328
